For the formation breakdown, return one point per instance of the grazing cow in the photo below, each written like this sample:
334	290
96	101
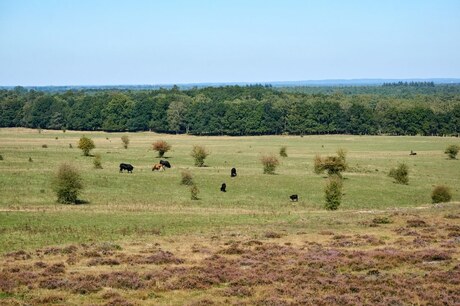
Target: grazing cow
126	167
165	163
233	172
223	187
158	167
412	153
294	198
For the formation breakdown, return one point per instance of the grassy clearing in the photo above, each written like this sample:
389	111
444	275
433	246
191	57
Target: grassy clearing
125	205
141	240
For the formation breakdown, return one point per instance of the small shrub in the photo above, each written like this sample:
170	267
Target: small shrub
1	157
199	154
187	178
272	235
381	220
270	162
342	154
161	147
30	159
70	146
318	164
48	300
283	152
108	246
334	165
67	184
161	257
86	145
452	151
63	130
416	223
441	194
97	161
194	191
333	192
56	138
45	146
400	174
125	140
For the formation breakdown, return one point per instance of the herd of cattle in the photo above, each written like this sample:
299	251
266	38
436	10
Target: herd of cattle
165	164
160	166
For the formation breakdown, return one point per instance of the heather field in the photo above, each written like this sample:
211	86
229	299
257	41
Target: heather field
140	239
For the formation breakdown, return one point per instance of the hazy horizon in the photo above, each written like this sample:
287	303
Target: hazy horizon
104	43
312	83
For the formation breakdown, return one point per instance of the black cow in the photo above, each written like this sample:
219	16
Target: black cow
165	163
294	198
233	172
126	167
223	187
412	153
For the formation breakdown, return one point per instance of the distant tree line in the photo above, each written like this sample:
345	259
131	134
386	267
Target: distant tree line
237	110
412	84
389	90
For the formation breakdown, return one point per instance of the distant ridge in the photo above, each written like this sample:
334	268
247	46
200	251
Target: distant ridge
312	83
362	82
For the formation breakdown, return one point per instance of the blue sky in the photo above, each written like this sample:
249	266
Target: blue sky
83	42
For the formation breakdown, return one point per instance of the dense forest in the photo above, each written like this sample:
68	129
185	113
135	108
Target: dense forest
393	109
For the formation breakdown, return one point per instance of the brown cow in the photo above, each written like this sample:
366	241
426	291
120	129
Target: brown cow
158	167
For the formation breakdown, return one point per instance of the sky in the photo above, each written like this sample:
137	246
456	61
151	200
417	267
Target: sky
102	42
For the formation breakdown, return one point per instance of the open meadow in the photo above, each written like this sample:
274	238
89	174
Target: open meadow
140	239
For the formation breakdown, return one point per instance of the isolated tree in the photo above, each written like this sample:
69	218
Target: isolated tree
334	165
199	154
86	145
161	147
67	184
333	192
125	140
400	174
269	162
452	151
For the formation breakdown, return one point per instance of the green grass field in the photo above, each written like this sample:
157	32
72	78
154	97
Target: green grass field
140	239
123	205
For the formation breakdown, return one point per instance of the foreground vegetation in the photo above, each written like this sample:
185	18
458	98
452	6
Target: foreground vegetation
141	239
403	257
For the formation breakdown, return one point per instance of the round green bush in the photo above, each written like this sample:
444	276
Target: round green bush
199	154
400	174
441	194
86	145
452	151
67	184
